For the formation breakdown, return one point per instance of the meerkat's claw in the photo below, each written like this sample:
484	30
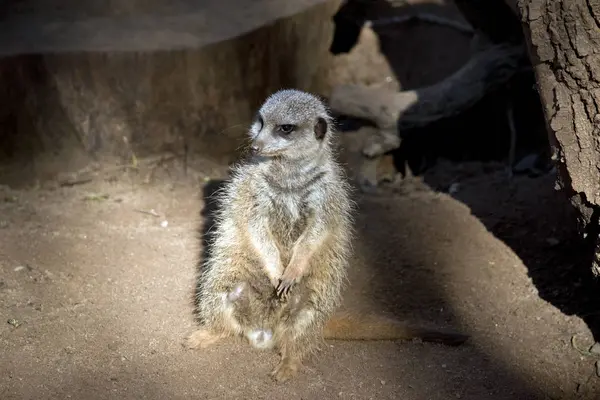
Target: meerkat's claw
291	275
284	287
275	282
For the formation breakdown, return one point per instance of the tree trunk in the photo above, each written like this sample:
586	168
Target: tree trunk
564	45
112	82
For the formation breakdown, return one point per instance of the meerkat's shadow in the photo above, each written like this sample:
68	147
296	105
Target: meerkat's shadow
207	225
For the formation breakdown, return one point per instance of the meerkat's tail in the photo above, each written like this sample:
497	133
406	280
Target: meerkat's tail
374	327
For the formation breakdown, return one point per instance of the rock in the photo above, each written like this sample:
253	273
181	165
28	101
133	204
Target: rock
526	164
178	78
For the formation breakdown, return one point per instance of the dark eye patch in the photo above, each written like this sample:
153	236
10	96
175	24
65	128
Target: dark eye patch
286	128
258	118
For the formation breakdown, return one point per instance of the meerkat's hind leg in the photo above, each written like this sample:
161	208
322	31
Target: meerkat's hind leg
236	292
296	338
288	366
293	352
203	338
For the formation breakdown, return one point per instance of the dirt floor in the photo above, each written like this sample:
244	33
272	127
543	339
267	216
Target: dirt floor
97	276
97	281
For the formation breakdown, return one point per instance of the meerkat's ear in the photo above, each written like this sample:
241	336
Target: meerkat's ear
320	128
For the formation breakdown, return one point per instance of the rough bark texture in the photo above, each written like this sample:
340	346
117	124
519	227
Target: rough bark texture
564	40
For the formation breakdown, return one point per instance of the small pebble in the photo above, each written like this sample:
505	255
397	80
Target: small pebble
598	369
527	163
164	224
595	349
454	188
14	322
19	268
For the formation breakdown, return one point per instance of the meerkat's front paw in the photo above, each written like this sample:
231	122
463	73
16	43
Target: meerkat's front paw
284	287
274	281
291	276
201	339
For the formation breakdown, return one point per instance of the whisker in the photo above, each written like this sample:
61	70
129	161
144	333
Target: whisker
229	128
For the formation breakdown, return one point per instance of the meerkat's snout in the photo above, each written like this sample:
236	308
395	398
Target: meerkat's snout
259	144
255	148
268	143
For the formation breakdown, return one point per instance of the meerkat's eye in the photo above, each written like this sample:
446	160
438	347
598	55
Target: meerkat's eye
286	128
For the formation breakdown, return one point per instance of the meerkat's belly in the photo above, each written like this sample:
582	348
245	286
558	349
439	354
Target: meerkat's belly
288	221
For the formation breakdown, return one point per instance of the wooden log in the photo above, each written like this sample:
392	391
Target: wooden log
90	82
562	38
495	19
393	111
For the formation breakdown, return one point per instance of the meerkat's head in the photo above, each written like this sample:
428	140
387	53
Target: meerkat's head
290	124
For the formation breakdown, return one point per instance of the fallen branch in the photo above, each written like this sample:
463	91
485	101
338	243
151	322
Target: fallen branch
392	111
424	17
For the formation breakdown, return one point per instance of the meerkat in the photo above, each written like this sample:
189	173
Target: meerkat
282	241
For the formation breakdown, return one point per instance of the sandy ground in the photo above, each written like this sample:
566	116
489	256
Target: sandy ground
96	288
96	294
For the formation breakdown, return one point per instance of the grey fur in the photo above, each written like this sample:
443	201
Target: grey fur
283	236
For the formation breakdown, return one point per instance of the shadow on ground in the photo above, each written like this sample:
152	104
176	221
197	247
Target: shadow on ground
541	229
560	271
387	277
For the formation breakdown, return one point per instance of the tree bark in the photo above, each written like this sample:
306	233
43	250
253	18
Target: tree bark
564	45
